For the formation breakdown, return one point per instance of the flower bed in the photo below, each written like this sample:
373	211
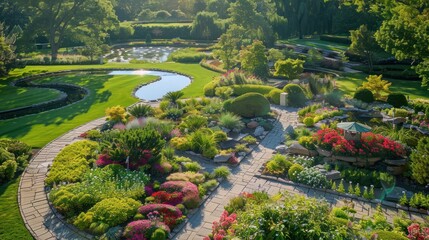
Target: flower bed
284	216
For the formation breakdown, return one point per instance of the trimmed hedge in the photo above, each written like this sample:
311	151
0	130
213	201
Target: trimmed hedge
296	95
336	39
187	55
162	32
248	88
364	95
274	96
209	88
397	100
248	105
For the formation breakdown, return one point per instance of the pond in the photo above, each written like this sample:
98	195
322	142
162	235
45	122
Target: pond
150	54
169	82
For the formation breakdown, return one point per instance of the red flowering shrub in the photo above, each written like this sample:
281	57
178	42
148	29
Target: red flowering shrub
417	233
143	229
190	192
223	228
170	215
103	160
371	144
173	198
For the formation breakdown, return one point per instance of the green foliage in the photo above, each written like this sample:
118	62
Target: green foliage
403	135
14	157
204	26
363	43
193	122
294	170
196	178
173	113
296	96
187	55
334	99
377	222
377	85
363	176
320	85
116	114
209	88
357	190
221	172
289	68
159	234
248	105
141	110
254	60
397	100
364	95
224	92
340	188
192	166
7	55
274	96
307	142
172	97
403	200
72	162
308	121
96	185
220	136
249	140
162	31
278	165
106	214
312	177
235	204
388	235
419	200
293	219
398	112
132	143
202	141
249	88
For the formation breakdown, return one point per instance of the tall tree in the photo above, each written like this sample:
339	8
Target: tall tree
218	6
254	60
364	43
7	56
228	45
128	9
77	19
404	31
204	26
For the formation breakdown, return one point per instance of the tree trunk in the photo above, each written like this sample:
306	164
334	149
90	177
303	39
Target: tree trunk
54	51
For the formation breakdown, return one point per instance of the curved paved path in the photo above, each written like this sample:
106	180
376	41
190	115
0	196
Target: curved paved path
38	217
42	222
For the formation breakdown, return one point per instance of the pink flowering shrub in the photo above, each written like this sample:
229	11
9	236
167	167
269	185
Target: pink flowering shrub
143	229
223	228
371	144
190	192
417	233
170	215
173	198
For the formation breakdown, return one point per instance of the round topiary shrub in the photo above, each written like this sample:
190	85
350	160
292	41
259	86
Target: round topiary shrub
397	100
364	95
296	95
309	121
248	105
274	96
294	171
209	88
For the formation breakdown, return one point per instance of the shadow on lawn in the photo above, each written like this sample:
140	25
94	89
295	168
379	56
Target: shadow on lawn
94	83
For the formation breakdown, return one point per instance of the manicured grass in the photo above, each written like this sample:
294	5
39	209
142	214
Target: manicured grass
13	97
11	225
349	82
316	43
38	130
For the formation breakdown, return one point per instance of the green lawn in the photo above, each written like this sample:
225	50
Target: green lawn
11	225
316	43
13	97
349	82
38	130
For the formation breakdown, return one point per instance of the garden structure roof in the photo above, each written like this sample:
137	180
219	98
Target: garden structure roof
354	127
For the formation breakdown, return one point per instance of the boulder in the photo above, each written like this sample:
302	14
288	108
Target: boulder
399	120
221	158
296	148
333	175
281	149
397	193
259	131
289	130
228	144
252	124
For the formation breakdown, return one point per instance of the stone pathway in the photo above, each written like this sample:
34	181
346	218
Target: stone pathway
43	223
244	178
38	216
